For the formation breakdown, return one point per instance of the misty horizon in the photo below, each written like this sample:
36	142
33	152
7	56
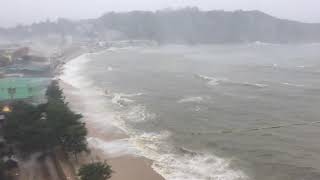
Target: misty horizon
153	11
17	12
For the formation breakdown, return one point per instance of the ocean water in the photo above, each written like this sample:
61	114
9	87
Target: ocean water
218	112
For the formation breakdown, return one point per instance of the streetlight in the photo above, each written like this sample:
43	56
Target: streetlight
6	109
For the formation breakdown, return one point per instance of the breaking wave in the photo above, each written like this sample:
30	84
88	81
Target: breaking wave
120	99
196	99
293	85
170	163
218	81
260	43
109	68
196	167
211	80
254	84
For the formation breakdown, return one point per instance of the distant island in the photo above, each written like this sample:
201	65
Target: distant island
188	25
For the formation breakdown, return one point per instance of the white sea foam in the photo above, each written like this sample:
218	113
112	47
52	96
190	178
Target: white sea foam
183	165
254	84
197	108
138	113
14	75
211	80
260	43
117	49
71	73
216	81
150	143
92	105
196	99
122	99
196	167
110	68
292	84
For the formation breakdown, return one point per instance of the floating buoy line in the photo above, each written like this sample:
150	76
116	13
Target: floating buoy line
257	129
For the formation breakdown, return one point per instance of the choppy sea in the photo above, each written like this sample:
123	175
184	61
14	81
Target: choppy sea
218	112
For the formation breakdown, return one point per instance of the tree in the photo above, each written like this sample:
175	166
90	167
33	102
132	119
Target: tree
74	141
54	91
95	171
25	128
2	169
47	126
66	125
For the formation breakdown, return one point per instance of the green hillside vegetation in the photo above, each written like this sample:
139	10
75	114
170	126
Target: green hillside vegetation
188	25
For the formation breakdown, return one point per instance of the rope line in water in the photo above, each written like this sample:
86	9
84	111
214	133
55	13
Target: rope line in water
257	129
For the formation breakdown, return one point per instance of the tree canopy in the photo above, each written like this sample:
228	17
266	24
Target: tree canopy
25	128
46	126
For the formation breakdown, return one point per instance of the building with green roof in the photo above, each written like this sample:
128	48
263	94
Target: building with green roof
30	89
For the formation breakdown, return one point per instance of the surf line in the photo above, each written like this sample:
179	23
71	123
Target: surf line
257	129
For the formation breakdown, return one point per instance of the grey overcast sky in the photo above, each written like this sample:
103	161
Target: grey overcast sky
27	11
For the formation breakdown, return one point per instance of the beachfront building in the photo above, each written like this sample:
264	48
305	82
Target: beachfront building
25	89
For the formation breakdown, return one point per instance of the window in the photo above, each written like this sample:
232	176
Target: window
12	91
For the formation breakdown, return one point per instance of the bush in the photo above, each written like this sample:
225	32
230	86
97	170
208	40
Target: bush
95	171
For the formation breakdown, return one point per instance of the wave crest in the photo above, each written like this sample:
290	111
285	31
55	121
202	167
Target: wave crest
196	166
196	99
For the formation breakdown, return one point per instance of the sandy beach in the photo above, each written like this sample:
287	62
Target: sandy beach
124	166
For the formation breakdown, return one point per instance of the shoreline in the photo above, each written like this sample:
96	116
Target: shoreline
125	166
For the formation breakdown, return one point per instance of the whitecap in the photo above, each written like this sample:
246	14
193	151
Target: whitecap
260	43
184	164
255	85
109	68
211	80
72	69
196	99
292	84
138	113
122	99
195	167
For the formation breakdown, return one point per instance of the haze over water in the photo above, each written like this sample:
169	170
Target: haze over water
210	112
